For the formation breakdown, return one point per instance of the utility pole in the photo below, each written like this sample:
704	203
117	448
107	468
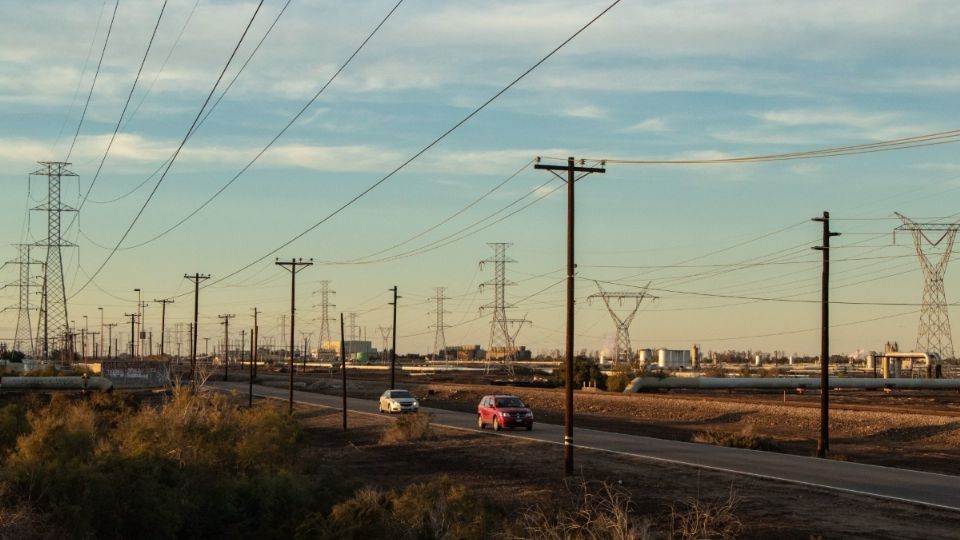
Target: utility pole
256	342
343	375
101	333
243	342
253	362
133	331
226	342
293	266
163	321
196	279
110	349
823	443
571	179
393	350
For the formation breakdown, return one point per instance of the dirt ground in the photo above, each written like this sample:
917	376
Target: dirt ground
518	473
915	430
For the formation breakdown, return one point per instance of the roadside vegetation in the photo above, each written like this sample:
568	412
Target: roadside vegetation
742	439
201	465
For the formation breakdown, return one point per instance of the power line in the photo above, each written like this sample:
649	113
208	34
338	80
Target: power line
123	111
928	139
426	148
94	83
269	145
182	143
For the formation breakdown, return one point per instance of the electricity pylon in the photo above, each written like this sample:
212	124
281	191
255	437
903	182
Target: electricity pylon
502	341
439	339
23	339
384	332
55	297
325	318
622	353
933	331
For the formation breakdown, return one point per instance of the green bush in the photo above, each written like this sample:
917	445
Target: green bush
13	424
736	440
619	381
584	370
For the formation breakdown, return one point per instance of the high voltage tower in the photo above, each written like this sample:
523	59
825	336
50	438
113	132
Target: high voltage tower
325	319
384	332
23	339
439	339
933	332
622	353
502	341
55	316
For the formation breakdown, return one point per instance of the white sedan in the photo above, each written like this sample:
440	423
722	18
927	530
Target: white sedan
397	400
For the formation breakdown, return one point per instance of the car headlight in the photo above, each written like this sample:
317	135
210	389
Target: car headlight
416	403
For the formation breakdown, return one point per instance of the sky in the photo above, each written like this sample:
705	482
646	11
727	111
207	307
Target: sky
725	249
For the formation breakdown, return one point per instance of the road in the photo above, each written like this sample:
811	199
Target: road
930	489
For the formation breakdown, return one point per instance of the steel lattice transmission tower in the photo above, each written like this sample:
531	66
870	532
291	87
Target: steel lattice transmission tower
55	295
439	339
23	339
500	337
384	332
933	332
502	341
622	351
325	306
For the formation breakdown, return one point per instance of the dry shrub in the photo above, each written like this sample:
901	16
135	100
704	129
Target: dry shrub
742	439
409	428
436	509
596	510
24	524
696	519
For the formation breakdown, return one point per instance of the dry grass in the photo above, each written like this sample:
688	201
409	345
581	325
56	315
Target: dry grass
696	519
597	510
742	439
410	428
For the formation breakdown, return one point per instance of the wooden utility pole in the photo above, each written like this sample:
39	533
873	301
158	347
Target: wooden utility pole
293	266
163	321
571	180
823	443
393	349
196	279
226	342
253	362
133	331
110	349
343	375
256	341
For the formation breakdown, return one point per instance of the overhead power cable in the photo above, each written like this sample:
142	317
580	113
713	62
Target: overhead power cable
272	141
96	74
425	149
206	115
123	111
179	148
928	139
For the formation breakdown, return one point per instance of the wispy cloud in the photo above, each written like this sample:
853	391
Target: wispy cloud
648	125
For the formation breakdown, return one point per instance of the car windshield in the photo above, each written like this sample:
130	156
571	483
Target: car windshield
400	394
509	402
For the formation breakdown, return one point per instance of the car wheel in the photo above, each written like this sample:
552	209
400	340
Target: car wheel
496	424
529	427
480	424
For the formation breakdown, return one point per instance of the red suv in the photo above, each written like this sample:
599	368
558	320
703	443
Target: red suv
503	411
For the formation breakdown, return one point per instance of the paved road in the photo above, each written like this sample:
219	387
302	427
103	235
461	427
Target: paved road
931	489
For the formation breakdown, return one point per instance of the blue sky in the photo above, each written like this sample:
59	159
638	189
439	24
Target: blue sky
649	80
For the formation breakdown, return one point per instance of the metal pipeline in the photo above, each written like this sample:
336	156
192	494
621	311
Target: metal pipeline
786	383
55	383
